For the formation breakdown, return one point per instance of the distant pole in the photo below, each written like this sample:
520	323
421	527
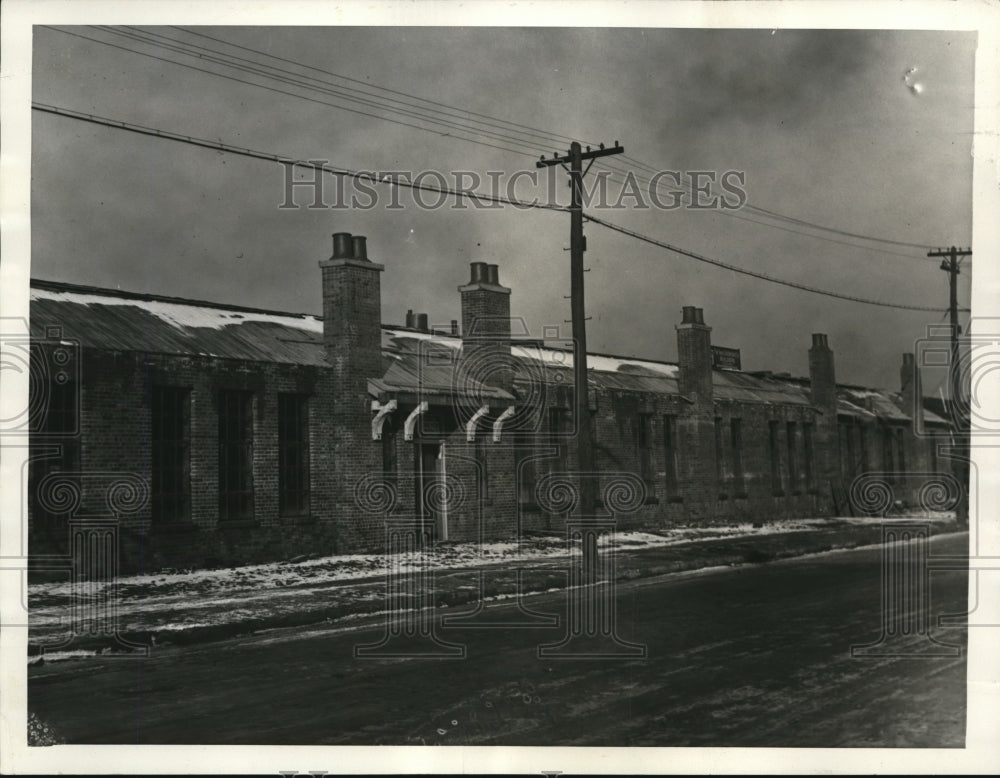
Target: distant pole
581	406
960	424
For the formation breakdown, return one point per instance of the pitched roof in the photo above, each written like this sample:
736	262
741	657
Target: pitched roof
126	321
413	362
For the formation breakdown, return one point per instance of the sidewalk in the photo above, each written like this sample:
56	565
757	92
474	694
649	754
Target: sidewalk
183	607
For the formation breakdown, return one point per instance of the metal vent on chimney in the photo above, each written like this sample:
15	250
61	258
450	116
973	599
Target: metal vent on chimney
359	244
480	274
343	245
692	315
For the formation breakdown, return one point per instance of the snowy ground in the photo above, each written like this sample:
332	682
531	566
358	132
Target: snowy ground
181	600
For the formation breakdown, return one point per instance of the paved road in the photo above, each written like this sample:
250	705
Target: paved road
758	655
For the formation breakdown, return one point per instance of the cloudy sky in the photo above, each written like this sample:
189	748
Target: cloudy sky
865	132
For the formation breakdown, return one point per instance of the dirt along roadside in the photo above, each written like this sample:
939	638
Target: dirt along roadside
183	607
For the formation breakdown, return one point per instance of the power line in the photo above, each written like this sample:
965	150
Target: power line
445	121
275	89
538	133
144	37
271	157
548	136
845	233
688	199
755	274
332	90
802	222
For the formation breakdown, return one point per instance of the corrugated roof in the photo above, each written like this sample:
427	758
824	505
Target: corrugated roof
414	362
423	364
121	321
743	387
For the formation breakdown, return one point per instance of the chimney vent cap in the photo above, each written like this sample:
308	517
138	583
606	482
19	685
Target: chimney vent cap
359	245
691	314
343	245
480	273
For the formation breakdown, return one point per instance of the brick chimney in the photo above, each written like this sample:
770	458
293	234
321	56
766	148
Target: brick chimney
486	326
696	427
823	393
910	387
694	355
352	313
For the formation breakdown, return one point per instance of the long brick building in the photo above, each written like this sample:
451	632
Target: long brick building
217	434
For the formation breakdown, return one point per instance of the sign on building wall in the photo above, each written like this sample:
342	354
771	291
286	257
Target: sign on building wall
726	358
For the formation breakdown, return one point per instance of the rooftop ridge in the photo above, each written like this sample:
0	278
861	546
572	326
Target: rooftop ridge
62	286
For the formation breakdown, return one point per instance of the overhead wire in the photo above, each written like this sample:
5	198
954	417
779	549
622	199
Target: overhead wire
272	157
753	273
496	122
548	136
144	37
334	92
373	178
275	89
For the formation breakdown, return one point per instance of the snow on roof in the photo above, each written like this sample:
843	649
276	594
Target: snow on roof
556	358
183	315
112	319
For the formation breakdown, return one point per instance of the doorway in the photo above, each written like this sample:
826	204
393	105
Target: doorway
432	507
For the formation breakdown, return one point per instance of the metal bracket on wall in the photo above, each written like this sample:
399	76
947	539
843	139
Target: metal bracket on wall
411	420
470	426
379	419
498	424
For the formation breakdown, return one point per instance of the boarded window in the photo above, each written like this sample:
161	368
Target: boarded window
888	462
170	427
644	448
807	456
848	457
791	435
720	469
774	454
736	444
557	432
670	455
526	477
293	454
390	453
235	455
54	425
482	466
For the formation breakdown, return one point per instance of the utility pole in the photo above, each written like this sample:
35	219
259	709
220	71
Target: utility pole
950	261
581	406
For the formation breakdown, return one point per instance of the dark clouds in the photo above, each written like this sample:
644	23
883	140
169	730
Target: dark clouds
821	122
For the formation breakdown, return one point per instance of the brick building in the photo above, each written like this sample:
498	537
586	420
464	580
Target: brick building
219	434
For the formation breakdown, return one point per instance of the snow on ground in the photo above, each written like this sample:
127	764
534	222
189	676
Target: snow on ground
179	600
